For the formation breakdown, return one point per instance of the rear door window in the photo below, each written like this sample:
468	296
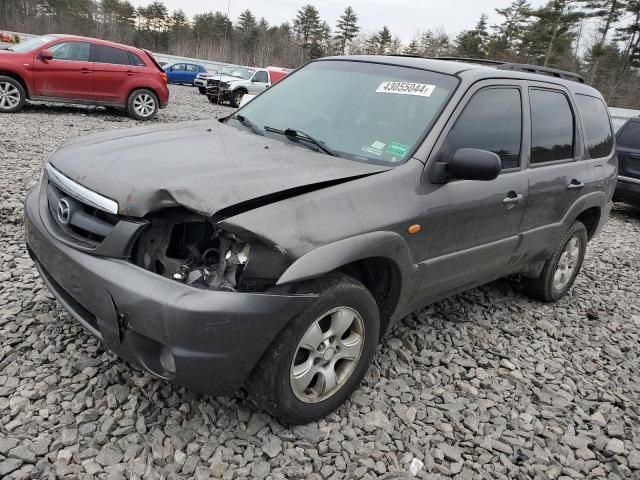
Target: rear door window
629	136
115	56
191	68
552	126
594	114
492	120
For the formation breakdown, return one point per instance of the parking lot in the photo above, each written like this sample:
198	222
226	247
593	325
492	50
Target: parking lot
489	384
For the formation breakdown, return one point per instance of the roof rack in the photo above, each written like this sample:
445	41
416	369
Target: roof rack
552	72
482	61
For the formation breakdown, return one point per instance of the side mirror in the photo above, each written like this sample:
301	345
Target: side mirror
474	164
46	54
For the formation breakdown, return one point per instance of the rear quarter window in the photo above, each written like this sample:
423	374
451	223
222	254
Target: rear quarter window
595	117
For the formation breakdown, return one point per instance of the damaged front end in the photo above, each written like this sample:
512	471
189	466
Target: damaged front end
195	250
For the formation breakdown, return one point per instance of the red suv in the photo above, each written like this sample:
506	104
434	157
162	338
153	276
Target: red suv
71	69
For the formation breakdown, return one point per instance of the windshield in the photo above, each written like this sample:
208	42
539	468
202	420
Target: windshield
244	73
361	111
30	44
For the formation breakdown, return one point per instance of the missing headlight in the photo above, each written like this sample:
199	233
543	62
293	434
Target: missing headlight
193	251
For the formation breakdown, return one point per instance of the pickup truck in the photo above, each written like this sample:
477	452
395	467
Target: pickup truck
239	81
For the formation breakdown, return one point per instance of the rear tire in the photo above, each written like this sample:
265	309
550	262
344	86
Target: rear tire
321	356
142	104
12	95
560	270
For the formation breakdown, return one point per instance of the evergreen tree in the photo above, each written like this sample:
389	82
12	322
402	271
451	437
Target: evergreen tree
384	40
413	48
550	37
473	43
307	26
347	29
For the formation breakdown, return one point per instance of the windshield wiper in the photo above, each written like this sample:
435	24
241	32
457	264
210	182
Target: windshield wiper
248	123
300	135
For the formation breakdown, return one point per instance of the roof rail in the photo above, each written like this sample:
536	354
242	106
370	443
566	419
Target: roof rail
482	61
552	72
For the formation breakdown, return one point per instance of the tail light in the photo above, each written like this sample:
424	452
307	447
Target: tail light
164	77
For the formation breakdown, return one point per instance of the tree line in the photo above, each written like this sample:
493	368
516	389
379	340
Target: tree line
598	38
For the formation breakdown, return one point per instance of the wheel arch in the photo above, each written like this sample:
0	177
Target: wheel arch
17	78
590	218
380	260
135	89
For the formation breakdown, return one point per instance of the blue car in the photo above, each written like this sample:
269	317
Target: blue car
183	72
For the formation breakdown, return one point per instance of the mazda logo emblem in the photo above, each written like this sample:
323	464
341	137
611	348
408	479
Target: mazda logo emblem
64	211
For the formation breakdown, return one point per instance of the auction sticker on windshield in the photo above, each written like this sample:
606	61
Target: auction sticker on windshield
406	88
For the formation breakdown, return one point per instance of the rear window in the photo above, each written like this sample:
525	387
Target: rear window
596	122
630	135
552	126
116	56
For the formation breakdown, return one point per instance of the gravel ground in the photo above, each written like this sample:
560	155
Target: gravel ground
487	385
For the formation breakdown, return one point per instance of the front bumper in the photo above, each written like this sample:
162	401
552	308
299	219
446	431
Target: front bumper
628	190
215	338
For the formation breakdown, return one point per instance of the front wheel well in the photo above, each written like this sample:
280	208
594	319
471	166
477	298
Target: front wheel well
17	78
590	219
382	278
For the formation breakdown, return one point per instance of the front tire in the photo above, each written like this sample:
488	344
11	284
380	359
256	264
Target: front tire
236	98
12	95
321	356
142	105
202	90
560	270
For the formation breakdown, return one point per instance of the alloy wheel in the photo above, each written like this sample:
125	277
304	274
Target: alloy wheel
144	105
567	263
327	355
9	95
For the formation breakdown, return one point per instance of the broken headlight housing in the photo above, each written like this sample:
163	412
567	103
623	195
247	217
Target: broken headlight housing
196	251
191	249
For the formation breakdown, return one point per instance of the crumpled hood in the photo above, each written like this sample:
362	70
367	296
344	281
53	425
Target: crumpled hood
221	77
205	166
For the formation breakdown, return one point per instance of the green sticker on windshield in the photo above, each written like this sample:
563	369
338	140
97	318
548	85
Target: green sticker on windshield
395	148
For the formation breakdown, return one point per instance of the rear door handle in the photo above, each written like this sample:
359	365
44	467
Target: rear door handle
575	185
512	198
85	70
635	156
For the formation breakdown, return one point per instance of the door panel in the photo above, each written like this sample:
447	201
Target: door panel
473	238
259	82
476	236
558	176
68	75
114	75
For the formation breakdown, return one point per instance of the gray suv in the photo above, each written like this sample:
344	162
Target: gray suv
292	235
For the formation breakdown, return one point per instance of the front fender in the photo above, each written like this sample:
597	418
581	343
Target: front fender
332	256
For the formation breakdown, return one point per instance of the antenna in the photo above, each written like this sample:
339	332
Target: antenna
224	46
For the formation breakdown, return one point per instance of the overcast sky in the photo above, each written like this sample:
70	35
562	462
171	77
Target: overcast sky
403	17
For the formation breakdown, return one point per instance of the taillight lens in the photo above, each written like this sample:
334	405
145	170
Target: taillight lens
164	77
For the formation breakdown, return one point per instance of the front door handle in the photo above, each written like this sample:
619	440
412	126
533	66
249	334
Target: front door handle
635	156
512	198
85	70
130	73
575	185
